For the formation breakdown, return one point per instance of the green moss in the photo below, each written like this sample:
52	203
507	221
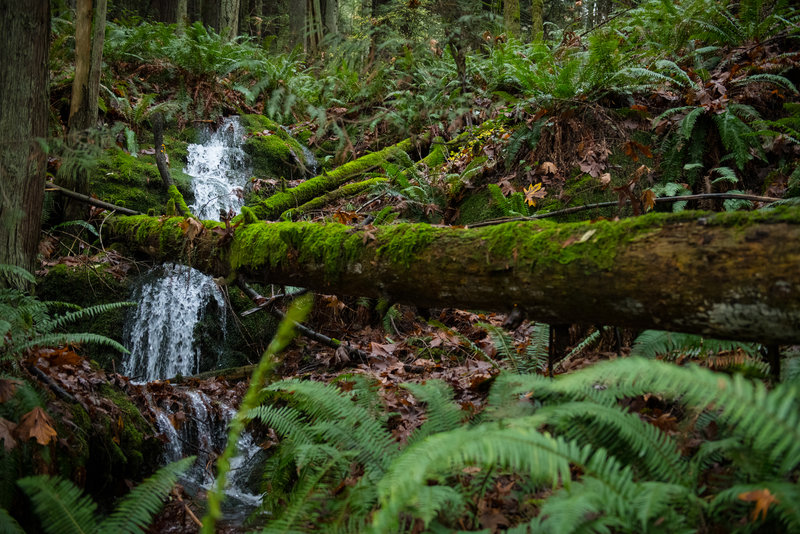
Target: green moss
401	242
133	182
342	192
276	154
179	203
273	206
478	207
89	286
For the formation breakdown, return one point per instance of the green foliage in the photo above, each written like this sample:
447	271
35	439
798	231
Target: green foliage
62	508
27	322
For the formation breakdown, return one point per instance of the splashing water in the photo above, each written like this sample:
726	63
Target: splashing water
218	167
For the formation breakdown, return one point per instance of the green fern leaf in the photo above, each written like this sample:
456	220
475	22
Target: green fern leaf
137	509
60	505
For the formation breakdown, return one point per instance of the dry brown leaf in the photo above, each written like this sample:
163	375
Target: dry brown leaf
36	424
648	200
8	387
191	228
605	179
548	167
6	434
377	349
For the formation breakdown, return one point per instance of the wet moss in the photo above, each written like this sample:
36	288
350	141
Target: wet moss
273	151
402	242
179	204
342	192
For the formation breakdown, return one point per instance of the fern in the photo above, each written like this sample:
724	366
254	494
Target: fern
62	508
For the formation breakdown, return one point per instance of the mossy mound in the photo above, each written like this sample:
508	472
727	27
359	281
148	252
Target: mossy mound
273	151
89	286
134	182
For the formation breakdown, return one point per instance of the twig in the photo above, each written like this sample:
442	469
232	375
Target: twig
58	390
575	209
89	200
264	303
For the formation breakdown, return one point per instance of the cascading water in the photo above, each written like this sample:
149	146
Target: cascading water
172	299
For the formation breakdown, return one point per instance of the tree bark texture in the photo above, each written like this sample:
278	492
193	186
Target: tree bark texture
297	23
90	28
537	24
729	275
511	17
25	27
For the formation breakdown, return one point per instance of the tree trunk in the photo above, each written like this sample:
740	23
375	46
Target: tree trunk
537	24
331	17
25	27
511	17
90	30
727	275
229	18
297	23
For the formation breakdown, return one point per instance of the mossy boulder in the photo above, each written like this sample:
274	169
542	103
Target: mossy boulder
134	182
89	286
273	151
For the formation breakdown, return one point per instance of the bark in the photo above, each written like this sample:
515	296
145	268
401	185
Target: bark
331	17
511	17
537	24
229	18
729	275
25	27
297	23
90	30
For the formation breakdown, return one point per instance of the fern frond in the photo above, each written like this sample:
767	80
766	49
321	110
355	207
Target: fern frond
9	525
774	79
10	271
441	412
503	343
768	421
54	340
134	514
85	313
60	505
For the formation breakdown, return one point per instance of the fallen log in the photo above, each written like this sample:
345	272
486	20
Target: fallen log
272	207
727	275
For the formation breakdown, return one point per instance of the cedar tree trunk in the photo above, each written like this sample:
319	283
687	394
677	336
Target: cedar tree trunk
25	27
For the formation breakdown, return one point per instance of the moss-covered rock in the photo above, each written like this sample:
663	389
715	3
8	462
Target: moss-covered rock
273	151
134	182
89	286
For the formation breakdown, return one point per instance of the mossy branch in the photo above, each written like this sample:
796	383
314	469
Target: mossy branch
347	190
272	207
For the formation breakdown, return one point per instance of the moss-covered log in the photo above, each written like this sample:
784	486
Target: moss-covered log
729	275
272	207
347	190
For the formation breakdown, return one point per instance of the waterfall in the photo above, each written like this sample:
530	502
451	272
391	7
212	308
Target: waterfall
218	168
172	300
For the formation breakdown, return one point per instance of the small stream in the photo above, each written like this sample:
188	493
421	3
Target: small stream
173	301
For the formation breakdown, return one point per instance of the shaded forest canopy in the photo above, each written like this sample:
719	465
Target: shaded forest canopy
482	202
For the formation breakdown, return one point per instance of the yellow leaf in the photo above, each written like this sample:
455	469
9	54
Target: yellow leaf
763	498
532	192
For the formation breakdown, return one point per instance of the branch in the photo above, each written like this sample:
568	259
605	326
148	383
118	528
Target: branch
264	303
660	200
89	200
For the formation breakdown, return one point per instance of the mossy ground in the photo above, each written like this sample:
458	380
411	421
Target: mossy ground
134	182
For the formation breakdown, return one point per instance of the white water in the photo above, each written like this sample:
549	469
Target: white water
171	301
219	171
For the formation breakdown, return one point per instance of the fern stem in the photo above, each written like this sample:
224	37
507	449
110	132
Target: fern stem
297	312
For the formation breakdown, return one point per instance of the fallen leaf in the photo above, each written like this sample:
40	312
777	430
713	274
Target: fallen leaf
36	424
763	498
532	192
548	167
191	228
382	350
648	200
6	430
8	387
605	179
